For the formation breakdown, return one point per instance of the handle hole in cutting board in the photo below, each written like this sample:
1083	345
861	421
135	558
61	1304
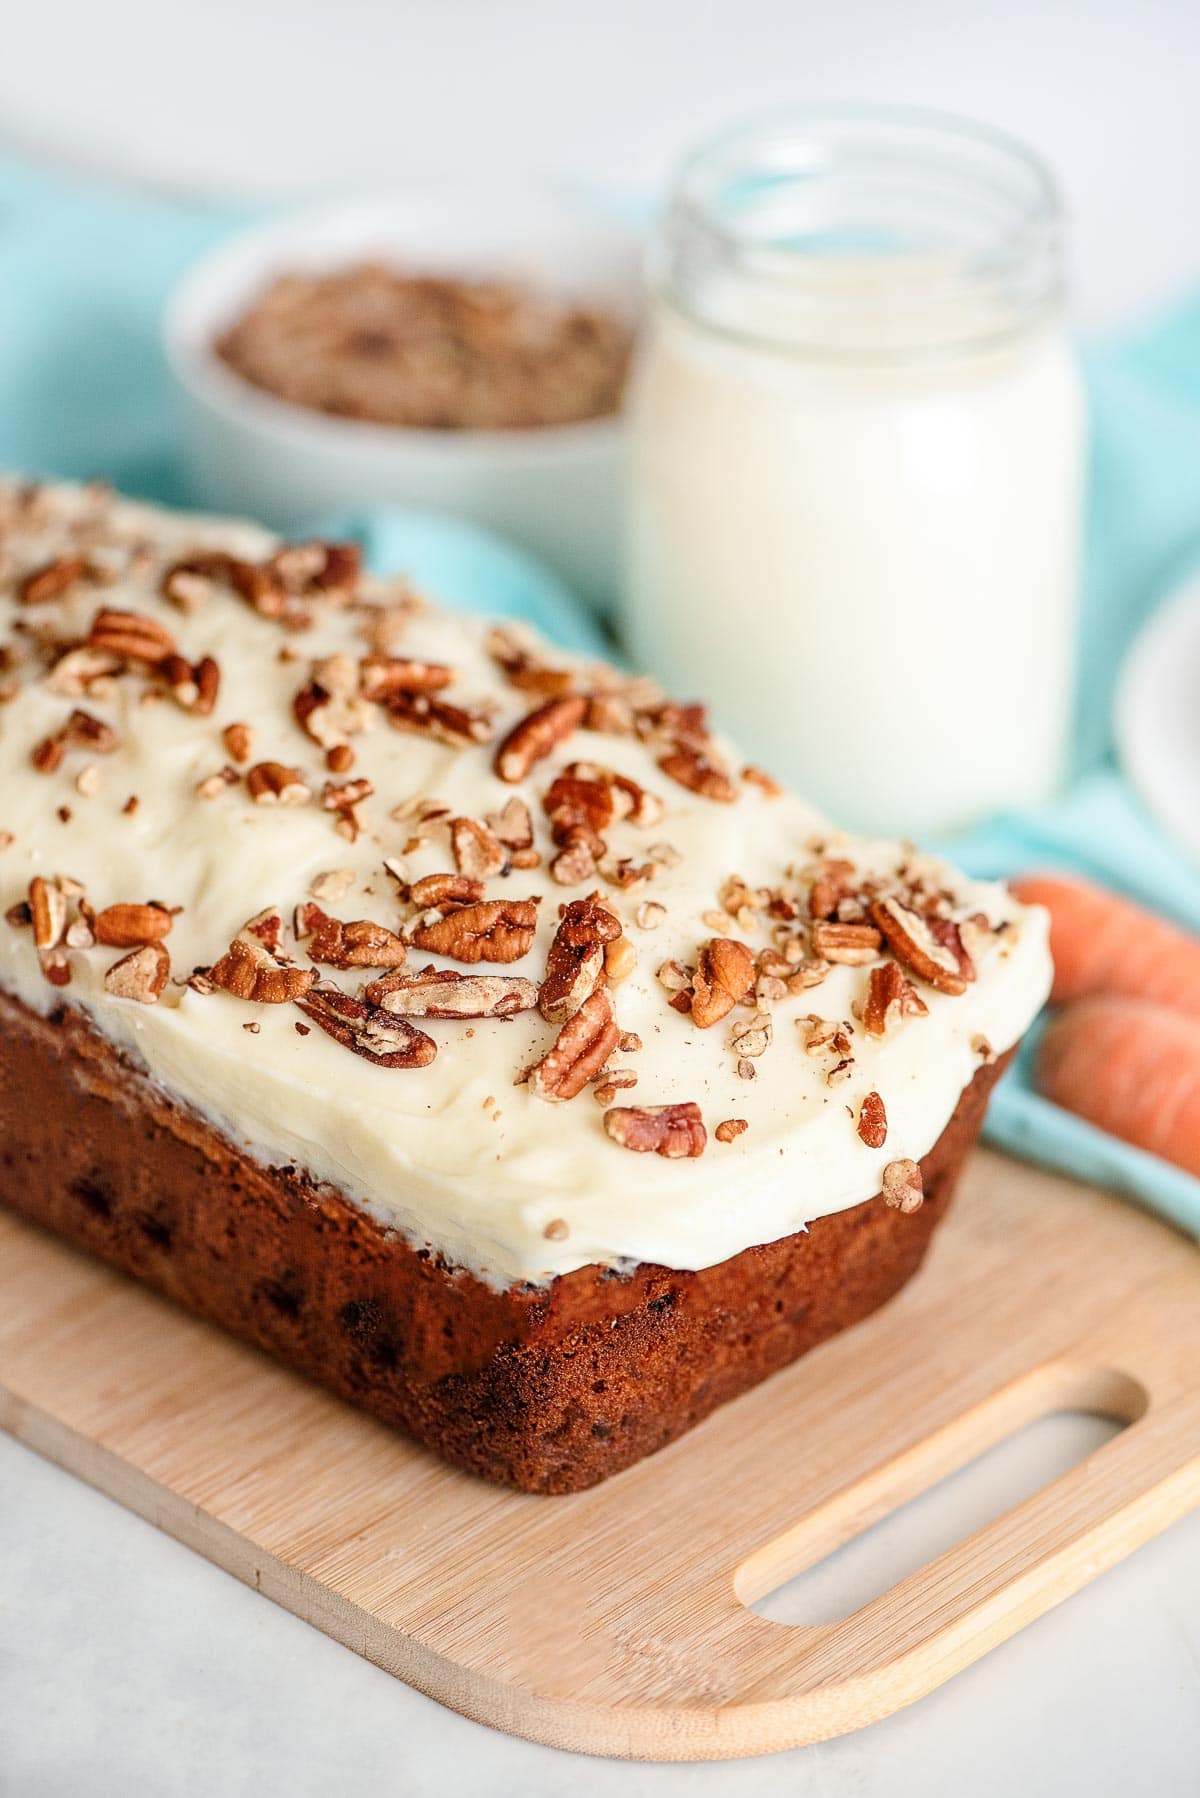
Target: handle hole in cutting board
1026	1439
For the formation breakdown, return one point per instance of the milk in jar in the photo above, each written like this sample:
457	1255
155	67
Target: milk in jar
856	464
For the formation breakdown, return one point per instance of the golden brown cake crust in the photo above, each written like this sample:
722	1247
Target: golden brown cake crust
549	1389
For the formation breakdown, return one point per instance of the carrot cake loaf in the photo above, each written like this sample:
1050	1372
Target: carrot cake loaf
459	1021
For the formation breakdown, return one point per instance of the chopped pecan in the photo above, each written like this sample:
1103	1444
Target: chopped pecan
348	799
81	670
852	944
249	968
872	1121
627	799
695	768
489	930
48	912
766	783
833	881
620	959
51	580
903	1188
522	669
131	636
81	731
537	734
194	686
141	975
752	1037
582	1047
437	718
513	825
331	718
381	676
724	976
931	948
575	804
730	1129
478	851
375	1035
125	926
361	944
444	892
575	961
575	862
273	783
676	1131
890	992
330	570
444	993
239	741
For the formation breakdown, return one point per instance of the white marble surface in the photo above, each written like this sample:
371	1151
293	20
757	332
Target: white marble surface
130	1668
293	96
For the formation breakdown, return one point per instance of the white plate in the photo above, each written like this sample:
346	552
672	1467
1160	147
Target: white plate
1158	717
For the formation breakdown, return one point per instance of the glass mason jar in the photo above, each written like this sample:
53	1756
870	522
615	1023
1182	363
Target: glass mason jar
857	434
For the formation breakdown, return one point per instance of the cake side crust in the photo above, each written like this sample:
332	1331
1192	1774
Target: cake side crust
548	1389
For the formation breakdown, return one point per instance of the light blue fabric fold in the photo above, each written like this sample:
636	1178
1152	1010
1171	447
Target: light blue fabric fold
85	270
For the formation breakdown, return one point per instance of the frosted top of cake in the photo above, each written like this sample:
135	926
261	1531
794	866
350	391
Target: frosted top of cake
504	945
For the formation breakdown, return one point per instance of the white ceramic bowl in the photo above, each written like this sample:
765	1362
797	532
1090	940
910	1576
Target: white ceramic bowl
554	489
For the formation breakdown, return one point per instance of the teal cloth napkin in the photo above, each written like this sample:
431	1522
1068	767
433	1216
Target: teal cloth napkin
85	270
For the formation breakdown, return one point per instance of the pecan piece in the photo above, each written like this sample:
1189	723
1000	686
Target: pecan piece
676	1131
730	1129
47	911
140	975
249	968
580	1050
239	741
723	977
903	1188
438	719
444	892
535	735
513	825
125	926
932	950
361	944
81	731
833	881
872	1121
576	803
444	993
854	945
374	1034
131	636
575	961
489	930
194	686
51	580
478	851
694	768
890	992
273	783
381	676
330	718
522	669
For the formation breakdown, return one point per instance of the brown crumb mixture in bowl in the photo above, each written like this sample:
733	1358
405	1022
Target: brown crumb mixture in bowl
429	352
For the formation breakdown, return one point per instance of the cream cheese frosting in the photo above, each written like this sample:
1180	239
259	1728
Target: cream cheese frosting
455	1155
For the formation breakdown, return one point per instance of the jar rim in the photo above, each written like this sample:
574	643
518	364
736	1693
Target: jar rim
846	219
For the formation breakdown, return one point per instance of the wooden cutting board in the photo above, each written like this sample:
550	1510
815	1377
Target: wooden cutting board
616	1621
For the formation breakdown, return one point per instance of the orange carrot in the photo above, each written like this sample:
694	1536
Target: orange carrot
1104	944
1131	1067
